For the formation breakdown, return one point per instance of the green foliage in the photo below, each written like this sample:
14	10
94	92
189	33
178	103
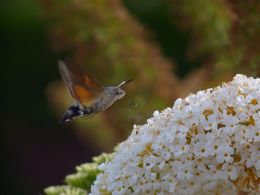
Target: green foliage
103	158
64	190
208	20
223	33
84	177
81	181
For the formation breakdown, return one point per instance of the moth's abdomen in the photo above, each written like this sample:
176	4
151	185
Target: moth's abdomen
70	113
75	111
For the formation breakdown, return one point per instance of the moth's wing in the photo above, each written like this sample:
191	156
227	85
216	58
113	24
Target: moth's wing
80	85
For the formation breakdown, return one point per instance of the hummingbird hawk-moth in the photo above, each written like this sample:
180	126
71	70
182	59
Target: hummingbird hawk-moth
90	98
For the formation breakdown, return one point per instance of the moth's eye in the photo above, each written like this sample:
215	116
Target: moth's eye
119	92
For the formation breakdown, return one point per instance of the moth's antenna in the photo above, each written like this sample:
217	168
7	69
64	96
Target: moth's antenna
124	83
133	103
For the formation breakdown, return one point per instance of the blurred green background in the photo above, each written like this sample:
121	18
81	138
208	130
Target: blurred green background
169	47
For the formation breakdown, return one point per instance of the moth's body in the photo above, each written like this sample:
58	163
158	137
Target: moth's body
100	104
90	98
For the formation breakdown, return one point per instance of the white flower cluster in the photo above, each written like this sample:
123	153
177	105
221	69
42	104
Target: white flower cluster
208	143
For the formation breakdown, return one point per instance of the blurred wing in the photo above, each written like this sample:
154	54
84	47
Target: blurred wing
80	86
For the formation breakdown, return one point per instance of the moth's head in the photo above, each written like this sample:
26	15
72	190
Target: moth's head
119	93
116	92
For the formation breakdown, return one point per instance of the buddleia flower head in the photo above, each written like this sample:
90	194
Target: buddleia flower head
207	143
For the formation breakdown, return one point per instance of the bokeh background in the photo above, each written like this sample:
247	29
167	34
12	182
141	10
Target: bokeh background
170	47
